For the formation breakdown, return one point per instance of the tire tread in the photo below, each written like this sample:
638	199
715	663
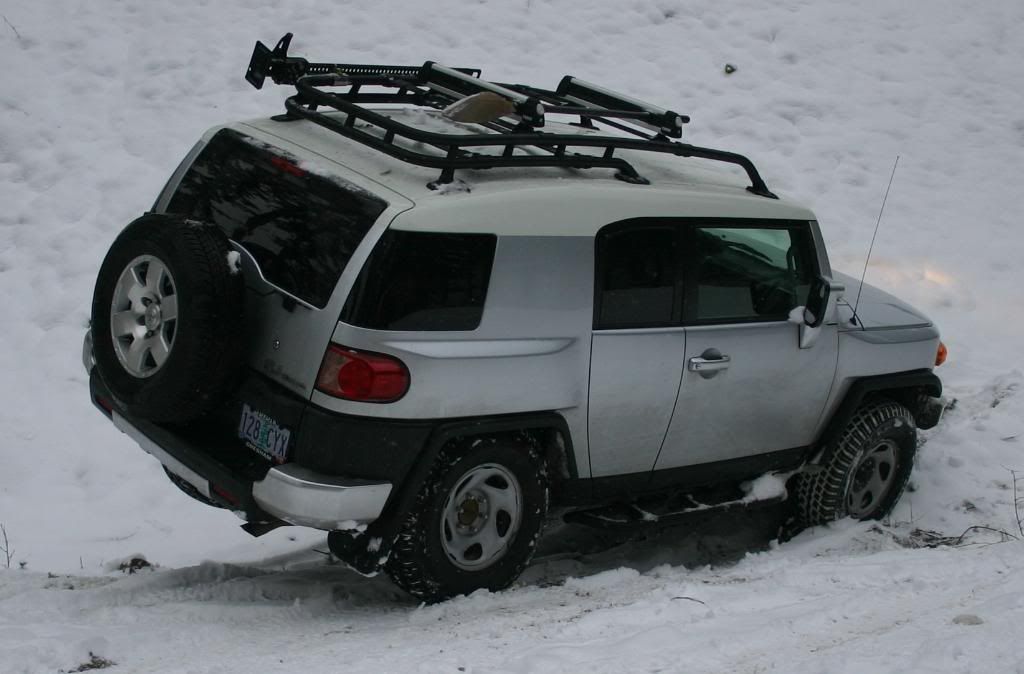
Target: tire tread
821	496
409	564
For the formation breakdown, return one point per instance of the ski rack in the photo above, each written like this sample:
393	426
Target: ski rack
437	86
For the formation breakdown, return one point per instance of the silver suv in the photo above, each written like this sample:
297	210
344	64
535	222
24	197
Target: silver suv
312	327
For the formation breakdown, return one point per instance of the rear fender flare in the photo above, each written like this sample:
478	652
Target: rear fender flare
367	551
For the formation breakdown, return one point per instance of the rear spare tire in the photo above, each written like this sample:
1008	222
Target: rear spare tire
167	318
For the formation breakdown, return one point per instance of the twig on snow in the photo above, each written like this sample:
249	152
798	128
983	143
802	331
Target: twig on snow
6	549
1005	534
691	599
1018	503
16	33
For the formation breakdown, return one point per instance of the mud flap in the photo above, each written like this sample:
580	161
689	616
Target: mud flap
928	411
365	551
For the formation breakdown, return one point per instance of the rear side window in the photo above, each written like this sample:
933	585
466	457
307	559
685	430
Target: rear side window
751	273
636	277
423	281
300	227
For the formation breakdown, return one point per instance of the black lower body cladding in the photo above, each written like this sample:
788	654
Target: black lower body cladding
326	442
363	447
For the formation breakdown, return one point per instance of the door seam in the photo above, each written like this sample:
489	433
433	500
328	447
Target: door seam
675	403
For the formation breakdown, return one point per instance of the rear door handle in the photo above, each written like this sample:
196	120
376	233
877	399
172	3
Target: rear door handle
701	364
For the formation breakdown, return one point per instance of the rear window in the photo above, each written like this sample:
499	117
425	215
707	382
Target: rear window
423	281
300	227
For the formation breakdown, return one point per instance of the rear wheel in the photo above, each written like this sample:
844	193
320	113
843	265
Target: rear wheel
475	523
866	469
167	318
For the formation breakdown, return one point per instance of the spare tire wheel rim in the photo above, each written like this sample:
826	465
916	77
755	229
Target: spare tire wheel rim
481	516
144	316
873	478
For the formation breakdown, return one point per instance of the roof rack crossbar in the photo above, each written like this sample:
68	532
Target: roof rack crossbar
625	127
648	116
665	122
436	86
528	108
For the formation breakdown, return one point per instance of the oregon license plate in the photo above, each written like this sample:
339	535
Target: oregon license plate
263	435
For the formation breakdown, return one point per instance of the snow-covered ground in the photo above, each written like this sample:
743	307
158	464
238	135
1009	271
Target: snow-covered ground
98	102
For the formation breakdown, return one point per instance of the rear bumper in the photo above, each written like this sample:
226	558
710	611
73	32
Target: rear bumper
290	493
300	496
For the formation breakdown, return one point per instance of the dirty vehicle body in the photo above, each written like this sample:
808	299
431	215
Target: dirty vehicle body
307	330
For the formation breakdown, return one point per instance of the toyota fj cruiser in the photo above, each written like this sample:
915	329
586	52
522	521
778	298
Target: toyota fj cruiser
313	327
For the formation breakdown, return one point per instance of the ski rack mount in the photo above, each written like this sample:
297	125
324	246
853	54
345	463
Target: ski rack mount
432	85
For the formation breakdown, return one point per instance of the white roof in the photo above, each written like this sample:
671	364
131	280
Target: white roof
551	201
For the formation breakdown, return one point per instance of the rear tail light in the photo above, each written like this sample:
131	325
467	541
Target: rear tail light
362	376
224	494
940	355
282	164
105	405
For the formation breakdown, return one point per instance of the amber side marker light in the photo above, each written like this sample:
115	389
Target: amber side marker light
940	355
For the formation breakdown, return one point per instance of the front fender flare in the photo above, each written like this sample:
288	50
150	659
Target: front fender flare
914	388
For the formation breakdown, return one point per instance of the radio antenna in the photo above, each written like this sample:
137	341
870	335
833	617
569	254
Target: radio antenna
872	246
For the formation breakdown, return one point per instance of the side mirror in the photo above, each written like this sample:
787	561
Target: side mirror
817	302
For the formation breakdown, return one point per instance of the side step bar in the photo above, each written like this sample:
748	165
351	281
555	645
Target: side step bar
633	515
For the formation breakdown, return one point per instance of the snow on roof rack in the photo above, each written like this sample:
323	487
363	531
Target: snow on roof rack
437	86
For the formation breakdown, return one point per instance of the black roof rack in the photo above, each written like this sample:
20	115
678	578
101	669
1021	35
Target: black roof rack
436	86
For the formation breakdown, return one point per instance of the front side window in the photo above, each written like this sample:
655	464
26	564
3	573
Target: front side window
423	281
636	277
749	273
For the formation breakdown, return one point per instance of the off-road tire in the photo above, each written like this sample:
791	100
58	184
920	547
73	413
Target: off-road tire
418	562
204	361
822	495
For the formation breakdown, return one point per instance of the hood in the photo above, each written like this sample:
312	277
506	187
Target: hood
877	309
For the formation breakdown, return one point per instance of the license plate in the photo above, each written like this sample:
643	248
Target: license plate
263	435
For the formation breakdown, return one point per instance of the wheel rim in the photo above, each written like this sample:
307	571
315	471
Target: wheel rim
144	316
481	516
873	478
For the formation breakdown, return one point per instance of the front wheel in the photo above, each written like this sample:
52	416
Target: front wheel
865	470
476	522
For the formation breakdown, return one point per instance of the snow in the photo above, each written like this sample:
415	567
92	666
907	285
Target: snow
234	259
845	600
768	486
99	102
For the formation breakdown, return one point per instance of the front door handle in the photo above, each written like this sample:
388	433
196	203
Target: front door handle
701	364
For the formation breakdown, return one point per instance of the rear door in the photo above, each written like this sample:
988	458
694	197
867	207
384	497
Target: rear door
301	230
301	233
637	345
747	387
